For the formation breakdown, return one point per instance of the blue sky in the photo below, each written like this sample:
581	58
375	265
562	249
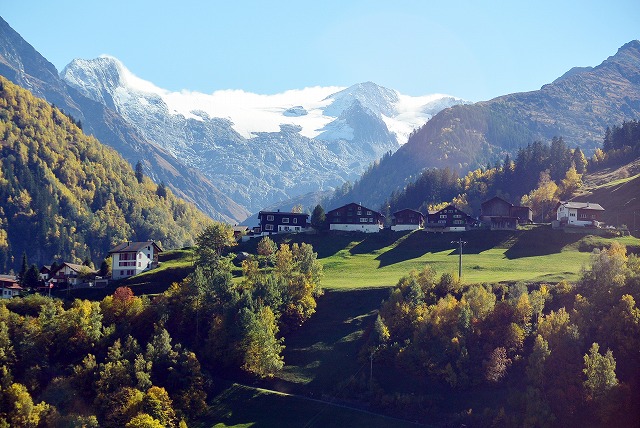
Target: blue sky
476	50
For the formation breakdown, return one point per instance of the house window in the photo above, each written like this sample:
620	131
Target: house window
457	216
295	220
285	220
139	255
572	214
369	213
359	212
364	220
443	216
583	215
442	221
370	219
139	264
268	227
269	217
458	222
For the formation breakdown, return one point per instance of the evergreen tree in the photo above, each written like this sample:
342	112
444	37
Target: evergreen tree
318	218
139	172
31	277
162	190
24	266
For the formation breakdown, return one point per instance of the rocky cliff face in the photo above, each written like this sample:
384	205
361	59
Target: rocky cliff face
259	152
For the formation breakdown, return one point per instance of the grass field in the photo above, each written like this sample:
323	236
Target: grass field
537	254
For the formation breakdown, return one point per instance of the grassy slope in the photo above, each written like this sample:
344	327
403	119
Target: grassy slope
353	261
618	191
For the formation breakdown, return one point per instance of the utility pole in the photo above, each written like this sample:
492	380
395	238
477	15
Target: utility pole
460	242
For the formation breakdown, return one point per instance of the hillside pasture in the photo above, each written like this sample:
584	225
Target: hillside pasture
536	254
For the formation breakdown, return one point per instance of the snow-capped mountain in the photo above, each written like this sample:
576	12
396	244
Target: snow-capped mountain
260	149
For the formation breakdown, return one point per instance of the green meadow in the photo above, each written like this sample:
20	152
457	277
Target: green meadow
535	254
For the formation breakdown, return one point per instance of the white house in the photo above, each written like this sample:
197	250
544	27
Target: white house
579	213
71	274
132	258
9	287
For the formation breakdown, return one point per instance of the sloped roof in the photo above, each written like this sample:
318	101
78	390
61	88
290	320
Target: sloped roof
282	213
363	208
132	247
408	210
582	205
76	267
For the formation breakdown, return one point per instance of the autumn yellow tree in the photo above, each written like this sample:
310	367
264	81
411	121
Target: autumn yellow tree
543	198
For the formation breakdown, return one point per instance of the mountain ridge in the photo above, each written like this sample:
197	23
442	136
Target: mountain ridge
578	106
23	65
261	149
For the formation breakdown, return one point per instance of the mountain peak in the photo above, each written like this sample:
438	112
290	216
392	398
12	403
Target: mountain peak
378	99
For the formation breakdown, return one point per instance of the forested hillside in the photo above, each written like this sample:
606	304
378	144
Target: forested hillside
65	196
578	106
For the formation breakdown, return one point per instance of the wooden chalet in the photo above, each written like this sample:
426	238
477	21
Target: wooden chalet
272	222
500	214
449	219
407	219
355	218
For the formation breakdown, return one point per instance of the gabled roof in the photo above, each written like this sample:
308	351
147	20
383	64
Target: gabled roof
498	198
408	210
132	247
76	267
8	278
581	205
505	201
281	213
357	205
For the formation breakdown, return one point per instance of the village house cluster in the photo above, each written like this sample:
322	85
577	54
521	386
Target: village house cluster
132	258
127	259
496	214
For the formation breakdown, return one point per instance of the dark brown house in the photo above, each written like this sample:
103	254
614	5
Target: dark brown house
449	219
407	219
272	222
500	214
355	218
